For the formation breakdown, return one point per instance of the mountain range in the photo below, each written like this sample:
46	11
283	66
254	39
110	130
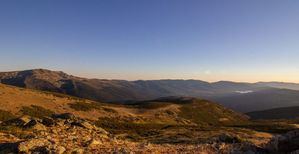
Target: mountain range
240	96
40	121
43	111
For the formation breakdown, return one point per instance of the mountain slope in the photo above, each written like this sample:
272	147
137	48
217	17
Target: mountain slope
260	100
20	101
198	111
277	113
178	121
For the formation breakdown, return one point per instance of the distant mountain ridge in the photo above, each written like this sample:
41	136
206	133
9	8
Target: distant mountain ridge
283	85
240	96
291	112
260	100
116	90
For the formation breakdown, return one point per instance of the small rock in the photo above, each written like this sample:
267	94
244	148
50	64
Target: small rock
34	124
54	131
125	151
86	138
90	126
94	142
32	144
78	151
41	150
228	139
60	122
47	121
19	121
65	116
60	150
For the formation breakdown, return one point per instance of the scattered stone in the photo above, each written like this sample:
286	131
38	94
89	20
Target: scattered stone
65	116
47	121
78	151
90	126
21	121
93	143
34	124
60	122
41	150
59	150
226	138
33	145
84	124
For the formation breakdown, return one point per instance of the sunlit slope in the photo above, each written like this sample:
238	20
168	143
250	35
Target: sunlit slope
197	111
173	111
19	101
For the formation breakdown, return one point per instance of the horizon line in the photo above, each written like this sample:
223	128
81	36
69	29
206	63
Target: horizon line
184	79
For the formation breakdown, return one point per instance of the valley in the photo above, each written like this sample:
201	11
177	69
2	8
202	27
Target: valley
31	120
160	116
241	97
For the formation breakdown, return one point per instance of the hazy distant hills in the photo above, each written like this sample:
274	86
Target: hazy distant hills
260	100
282	85
244	97
276	113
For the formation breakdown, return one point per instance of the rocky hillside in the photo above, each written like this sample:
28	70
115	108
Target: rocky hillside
19	101
65	133
35	121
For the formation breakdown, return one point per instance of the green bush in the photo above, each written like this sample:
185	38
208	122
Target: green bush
109	110
267	126
83	106
5	115
36	111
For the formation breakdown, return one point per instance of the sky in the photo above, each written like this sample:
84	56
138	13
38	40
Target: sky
211	40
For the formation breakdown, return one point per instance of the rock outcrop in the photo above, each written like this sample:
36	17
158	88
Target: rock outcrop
288	142
56	134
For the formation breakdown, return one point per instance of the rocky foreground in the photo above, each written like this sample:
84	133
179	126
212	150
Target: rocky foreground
65	133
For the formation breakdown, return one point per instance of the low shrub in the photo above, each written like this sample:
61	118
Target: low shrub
5	115
36	111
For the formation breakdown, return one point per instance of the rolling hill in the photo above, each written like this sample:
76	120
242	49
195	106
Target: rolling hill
181	122
198	111
18	101
276	113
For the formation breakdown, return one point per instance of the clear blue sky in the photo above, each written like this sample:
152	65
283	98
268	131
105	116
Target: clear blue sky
248	40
